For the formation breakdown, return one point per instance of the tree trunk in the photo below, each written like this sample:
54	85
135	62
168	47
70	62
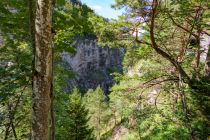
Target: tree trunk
42	76
198	42
207	64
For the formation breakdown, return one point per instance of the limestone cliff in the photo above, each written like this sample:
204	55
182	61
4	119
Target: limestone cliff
93	65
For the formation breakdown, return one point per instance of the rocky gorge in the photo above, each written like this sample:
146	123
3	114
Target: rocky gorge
93	65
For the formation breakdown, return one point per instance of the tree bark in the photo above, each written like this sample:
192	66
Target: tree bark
198	18
42	76
207	64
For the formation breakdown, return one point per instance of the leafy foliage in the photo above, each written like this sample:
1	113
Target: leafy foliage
99	111
151	99
73	125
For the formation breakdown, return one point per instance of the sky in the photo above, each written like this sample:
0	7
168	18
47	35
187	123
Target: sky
103	8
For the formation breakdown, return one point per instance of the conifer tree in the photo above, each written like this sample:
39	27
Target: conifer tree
76	119
100	115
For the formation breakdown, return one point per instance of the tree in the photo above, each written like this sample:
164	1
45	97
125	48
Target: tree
15	65
97	103
42	75
163	31
149	16
207	64
74	125
15	70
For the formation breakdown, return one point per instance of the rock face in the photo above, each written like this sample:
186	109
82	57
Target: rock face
93	65
205	43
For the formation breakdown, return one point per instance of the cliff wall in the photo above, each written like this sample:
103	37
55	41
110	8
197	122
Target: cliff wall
93	65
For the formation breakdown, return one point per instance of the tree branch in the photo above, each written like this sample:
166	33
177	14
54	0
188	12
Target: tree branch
183	28
160	51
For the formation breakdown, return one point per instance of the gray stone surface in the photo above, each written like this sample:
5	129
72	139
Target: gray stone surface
93	65
205	43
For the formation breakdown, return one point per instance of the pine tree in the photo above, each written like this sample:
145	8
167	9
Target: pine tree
100	114
77	115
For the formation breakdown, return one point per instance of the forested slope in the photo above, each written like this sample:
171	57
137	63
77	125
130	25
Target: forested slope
161	93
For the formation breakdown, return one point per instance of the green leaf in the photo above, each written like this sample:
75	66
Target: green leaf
61	2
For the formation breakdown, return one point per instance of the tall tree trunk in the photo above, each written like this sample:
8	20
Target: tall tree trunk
197	57
198	18
42	76
207	64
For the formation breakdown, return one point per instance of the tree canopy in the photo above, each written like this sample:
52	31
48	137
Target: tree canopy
162	93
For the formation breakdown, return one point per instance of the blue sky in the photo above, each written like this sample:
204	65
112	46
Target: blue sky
103	8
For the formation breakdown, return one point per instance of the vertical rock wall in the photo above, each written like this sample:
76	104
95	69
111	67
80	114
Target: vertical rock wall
93	65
